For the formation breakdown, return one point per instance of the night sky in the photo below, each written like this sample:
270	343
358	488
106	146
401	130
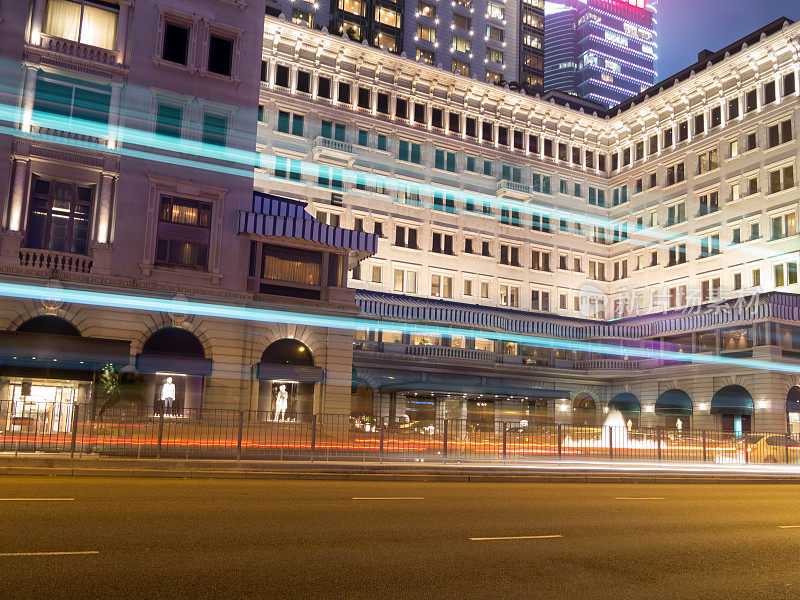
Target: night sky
687	26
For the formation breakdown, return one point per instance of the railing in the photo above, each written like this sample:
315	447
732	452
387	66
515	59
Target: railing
56	261
505	184
448	352
139	432
330	144
78	50
606	364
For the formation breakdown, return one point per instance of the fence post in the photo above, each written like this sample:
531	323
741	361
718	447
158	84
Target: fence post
610	443
444	440
658	437
559	440
505	440
380	447
704	446
239	438
160	431
313	435
76	408
786	447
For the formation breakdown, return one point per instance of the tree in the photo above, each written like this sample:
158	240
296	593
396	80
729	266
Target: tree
116	387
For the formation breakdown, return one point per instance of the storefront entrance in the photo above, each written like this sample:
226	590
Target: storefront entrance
43	405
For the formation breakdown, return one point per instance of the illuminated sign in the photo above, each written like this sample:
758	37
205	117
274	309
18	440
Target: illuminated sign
634	3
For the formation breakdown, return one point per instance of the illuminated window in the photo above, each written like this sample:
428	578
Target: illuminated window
353	31
387	41
460	68
184	231
461	44
302	17
59	216
495	11
387	16
89	23
355	7
426	10
494	56
425	56
426	33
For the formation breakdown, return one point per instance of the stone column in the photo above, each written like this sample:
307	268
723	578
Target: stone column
114	120
37	21
28	96
103	230
122	30
17	199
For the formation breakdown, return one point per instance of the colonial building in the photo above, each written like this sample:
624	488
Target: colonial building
502	214
501	256
126	173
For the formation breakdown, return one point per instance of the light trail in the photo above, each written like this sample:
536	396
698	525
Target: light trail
266	315
123	136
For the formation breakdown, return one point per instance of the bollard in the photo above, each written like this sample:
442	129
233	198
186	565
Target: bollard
610	443
380	448
444	441
705	445
239	439
160	431
74	430
505	440
559	440
658	437
313	435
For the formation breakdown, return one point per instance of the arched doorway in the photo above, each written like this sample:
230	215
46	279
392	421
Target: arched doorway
287	376
733	406
47	367
674	409
628	405
584	411
175	363
793	410
50	326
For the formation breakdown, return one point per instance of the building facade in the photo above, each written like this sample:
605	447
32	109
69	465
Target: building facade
131	169
601	50
501	256
503	215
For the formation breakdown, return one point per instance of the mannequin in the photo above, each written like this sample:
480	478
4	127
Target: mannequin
168	395
281	403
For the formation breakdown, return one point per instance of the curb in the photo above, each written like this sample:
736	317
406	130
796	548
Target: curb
431	476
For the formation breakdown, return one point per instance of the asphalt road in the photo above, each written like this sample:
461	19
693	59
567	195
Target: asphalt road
172	538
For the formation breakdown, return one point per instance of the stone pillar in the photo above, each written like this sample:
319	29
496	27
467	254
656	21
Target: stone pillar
28	96
18	192
114	120
122	30
37	21
314	85
103	230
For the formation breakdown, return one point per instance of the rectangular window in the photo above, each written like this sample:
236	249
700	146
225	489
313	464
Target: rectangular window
781	179
72	98
784	226
59	216
751	101
441	286
176	43
405	281
220	55
168	120
387	16
406	237
789	85
707	161
184	232
779	133
290	123
215	129
733	109
509	295
668	138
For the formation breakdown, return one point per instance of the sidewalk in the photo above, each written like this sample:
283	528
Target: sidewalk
543	472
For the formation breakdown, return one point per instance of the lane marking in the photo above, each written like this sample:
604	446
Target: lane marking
36	499
644	498
788	526
84	552
393	498
516	537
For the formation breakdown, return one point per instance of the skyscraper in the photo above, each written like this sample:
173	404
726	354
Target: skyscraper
602	50
497	41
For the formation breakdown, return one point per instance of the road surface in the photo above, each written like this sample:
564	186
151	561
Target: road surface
231	539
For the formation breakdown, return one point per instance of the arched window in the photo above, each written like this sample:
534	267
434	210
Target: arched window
49	325
288	351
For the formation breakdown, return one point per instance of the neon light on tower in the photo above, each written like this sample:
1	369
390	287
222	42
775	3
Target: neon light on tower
602	50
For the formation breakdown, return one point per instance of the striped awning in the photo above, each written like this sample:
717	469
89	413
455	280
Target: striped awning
273	216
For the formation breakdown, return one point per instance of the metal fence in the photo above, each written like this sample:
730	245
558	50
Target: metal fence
136	432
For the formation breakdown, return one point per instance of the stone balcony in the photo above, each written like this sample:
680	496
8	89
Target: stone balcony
68	54
334	151
511	189
48	260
